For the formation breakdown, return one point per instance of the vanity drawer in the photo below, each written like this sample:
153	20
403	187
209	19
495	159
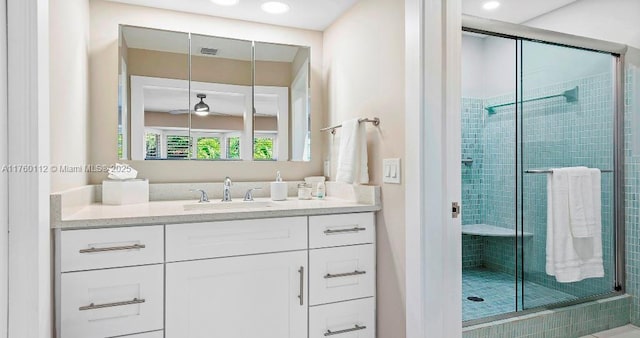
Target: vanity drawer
112	302
353	319
108	248
234	238
344	229
343	273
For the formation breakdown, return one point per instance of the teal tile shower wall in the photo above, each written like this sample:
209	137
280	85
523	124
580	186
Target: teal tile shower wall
554	134
632	193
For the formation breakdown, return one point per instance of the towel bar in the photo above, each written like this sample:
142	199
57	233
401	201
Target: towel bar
548	171
375	121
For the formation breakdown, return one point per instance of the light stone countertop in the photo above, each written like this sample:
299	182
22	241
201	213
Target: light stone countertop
78	208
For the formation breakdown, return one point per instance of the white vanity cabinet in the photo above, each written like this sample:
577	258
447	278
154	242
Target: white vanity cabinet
288	277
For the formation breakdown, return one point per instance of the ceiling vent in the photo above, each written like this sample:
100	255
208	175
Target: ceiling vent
209	51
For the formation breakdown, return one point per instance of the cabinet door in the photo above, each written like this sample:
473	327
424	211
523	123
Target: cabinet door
250	296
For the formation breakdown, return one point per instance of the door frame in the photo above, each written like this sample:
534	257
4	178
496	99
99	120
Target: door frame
4	191
433	128
29	266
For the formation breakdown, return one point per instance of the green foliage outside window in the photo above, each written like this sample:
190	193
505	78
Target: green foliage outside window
263	148
209	148
178	146
152	141
120	145
233	148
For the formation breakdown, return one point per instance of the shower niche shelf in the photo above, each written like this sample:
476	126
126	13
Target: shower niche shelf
491	231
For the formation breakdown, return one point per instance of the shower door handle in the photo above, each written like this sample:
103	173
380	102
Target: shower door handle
455	209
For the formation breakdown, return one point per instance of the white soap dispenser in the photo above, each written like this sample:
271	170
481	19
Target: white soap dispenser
278	189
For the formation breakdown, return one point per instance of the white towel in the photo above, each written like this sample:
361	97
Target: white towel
569	258
581	201
352	154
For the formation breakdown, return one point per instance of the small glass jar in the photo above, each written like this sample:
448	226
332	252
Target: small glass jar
304	191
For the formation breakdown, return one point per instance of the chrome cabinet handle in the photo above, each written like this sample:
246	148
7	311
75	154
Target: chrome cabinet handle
114	248
354	229
346	274
355	328
93	306
301	295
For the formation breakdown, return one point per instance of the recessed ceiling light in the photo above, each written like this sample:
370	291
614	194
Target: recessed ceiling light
225	2
491	5
275	7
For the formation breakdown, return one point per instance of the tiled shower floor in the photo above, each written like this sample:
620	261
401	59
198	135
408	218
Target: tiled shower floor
499	291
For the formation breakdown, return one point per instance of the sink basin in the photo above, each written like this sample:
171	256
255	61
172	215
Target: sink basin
237	205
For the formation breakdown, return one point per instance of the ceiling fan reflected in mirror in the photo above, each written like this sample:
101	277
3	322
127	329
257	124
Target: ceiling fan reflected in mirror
186	111
201	108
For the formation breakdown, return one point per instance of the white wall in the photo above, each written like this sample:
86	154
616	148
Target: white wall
473	69
69	35
488	66
610	20
500	66
364	77
105	18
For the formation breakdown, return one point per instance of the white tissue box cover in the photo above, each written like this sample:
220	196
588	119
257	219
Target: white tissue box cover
115	192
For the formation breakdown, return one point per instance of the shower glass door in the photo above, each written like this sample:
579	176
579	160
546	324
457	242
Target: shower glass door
489	191
566	118
529	107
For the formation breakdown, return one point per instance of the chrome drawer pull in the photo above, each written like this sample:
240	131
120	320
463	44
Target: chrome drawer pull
301	295
102	306
346	274
114	248
354	229
356	328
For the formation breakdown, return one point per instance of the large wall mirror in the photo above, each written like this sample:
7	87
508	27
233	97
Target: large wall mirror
186	96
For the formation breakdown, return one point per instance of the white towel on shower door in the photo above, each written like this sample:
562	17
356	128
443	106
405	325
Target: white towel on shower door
569	258
352	154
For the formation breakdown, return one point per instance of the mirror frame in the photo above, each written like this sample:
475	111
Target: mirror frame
283	152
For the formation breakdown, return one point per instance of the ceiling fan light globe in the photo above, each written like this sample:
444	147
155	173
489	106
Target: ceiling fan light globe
202	112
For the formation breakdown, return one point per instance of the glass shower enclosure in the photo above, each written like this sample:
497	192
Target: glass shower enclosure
529	107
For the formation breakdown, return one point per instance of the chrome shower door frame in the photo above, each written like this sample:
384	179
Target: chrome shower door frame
618	51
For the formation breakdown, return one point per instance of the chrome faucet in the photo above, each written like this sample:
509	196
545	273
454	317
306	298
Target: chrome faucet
248	196
226	193
203	195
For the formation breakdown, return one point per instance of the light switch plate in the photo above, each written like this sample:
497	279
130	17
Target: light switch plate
391	170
